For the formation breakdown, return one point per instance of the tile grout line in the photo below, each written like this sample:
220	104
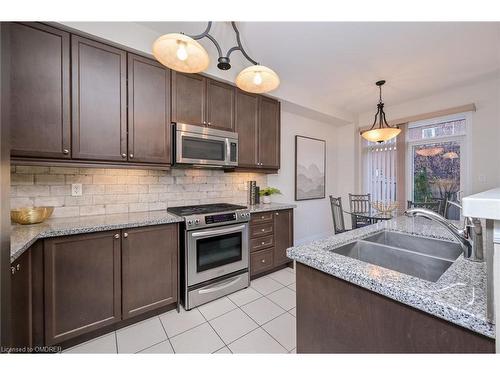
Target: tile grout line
166	334
217	333
275	339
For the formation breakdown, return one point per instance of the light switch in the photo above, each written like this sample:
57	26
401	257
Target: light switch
76	190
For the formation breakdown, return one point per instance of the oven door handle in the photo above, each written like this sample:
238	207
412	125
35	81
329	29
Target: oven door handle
219	286
218	231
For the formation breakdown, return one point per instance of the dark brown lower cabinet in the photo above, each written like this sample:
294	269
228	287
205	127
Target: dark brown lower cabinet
82	284
27	299
351	319
149	268
271	233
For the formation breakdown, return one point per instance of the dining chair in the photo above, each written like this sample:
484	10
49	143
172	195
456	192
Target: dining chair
360	204
433	205
337	214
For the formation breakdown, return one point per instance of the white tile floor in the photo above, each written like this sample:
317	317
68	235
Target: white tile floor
259	319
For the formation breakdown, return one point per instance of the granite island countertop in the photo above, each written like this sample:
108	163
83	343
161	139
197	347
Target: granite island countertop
459	296
270	207
23	236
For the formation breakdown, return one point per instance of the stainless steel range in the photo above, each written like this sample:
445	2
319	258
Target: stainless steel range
214	251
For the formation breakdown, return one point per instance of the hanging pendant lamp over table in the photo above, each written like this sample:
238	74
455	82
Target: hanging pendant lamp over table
183	53
383	132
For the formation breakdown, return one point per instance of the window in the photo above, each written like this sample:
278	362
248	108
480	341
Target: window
436	158
380	170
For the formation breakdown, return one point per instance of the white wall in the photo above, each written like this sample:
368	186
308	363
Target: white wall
313	218
485	133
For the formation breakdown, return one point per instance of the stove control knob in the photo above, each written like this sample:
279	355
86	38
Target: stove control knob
197	221
189	223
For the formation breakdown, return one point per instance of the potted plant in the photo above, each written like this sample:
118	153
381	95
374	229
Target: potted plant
267	192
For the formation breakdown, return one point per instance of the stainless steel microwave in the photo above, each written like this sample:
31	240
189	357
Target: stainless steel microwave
203	146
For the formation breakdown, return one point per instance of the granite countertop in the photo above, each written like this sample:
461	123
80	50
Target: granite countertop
459	296
270	207
23	236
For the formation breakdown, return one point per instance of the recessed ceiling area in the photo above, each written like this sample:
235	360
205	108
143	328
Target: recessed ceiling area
333	66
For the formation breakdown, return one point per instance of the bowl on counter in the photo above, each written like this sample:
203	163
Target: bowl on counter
30	215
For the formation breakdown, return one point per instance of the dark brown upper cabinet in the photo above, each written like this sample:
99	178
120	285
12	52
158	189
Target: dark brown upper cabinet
82	284
283	235
99	101
247	125
39	91
149	135
149	268
188	98
198	100
220	105
269	133
258	127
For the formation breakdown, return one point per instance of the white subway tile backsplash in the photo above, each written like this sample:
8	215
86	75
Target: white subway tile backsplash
125	190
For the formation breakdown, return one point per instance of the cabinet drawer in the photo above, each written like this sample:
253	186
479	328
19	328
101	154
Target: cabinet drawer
261	230
261	217
261	261
261	243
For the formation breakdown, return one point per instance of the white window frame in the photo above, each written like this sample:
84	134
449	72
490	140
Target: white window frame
465	142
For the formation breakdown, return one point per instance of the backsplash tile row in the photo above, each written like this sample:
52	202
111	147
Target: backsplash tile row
107	191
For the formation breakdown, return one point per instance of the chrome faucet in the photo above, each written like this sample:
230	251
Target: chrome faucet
470	236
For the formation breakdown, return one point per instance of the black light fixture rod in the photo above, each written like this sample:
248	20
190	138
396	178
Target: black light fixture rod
224	59
240	47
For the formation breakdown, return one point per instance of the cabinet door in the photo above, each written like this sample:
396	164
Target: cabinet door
40	91
149	268
220	105
188	98
82	284
246	125
149	135
21	298
99	101
283	235
269	133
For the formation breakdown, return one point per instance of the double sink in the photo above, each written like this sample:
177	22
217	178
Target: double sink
420	257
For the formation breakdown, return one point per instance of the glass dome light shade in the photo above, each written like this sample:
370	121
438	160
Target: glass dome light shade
380	134
257	79
181	53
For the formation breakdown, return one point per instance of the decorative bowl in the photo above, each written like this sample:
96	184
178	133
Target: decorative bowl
385	207
30	215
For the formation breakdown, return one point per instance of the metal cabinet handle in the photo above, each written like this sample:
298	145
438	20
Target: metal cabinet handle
125	235
263	261
65	151
262	243
117	236
263	230
277	213
13	270
262	217
124	155
209	123
18	267
131	156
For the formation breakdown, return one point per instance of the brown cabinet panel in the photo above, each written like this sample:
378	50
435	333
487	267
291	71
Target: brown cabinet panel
40	84
246	125
269	133
99	101
149	133
283	235
220	105
188	98
261	230
261	261
261	217
149	268
82	284
21	297
261	243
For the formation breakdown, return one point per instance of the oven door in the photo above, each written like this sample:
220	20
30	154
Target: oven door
205	149
214	252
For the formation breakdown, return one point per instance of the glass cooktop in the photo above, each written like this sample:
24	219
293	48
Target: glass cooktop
204	209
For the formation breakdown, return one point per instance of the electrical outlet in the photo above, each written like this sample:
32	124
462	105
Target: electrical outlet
76	190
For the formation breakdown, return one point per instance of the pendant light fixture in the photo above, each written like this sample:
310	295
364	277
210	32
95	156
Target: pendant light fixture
383	132
184	54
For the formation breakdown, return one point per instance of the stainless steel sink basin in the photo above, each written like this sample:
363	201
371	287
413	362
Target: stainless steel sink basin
427	246
419	261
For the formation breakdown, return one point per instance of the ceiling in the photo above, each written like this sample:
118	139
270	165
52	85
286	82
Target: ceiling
331	67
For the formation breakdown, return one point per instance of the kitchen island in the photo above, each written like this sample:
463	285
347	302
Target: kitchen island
348	305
